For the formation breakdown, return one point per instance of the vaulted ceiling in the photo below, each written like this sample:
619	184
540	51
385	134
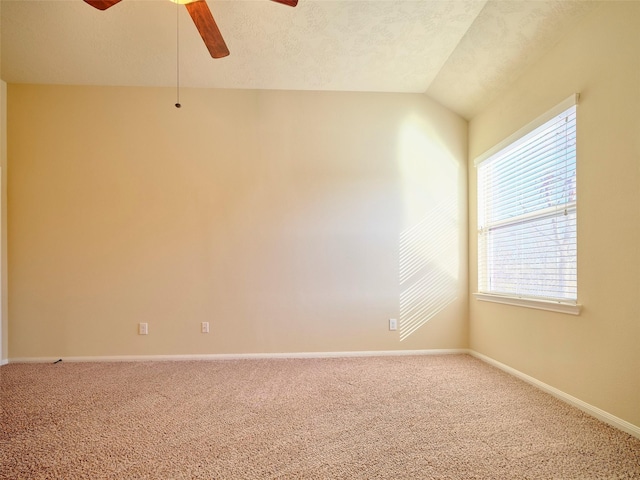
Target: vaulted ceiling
461	53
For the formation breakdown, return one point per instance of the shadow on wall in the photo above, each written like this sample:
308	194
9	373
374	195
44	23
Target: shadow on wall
429	243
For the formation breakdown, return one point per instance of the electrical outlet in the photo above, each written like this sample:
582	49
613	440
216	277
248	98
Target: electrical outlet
143	329
204	327
393	324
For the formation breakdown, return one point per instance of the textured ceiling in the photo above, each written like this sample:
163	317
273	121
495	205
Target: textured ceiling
459	52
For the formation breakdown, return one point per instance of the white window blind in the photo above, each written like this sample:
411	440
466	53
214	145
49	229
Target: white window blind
527	211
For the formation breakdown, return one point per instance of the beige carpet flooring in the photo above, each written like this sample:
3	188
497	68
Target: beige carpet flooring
427	417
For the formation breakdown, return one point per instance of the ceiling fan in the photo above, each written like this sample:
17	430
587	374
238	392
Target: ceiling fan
203	19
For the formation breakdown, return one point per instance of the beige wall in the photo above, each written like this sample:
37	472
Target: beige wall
595	356
4	316
276	216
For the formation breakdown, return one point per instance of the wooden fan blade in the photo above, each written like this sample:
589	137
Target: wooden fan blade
291	3
102	4
206	25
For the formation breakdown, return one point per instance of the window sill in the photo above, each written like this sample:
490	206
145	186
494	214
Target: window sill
549	305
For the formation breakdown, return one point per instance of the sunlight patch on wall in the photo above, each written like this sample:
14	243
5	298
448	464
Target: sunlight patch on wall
428	268
429	246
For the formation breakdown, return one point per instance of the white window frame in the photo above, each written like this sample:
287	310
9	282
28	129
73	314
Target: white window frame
555	305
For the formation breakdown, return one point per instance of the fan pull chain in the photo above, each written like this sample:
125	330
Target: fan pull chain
178	56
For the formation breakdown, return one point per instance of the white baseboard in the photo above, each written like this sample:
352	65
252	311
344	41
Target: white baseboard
596	412
4	362
239	356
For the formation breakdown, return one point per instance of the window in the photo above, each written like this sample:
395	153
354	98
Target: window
527	215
